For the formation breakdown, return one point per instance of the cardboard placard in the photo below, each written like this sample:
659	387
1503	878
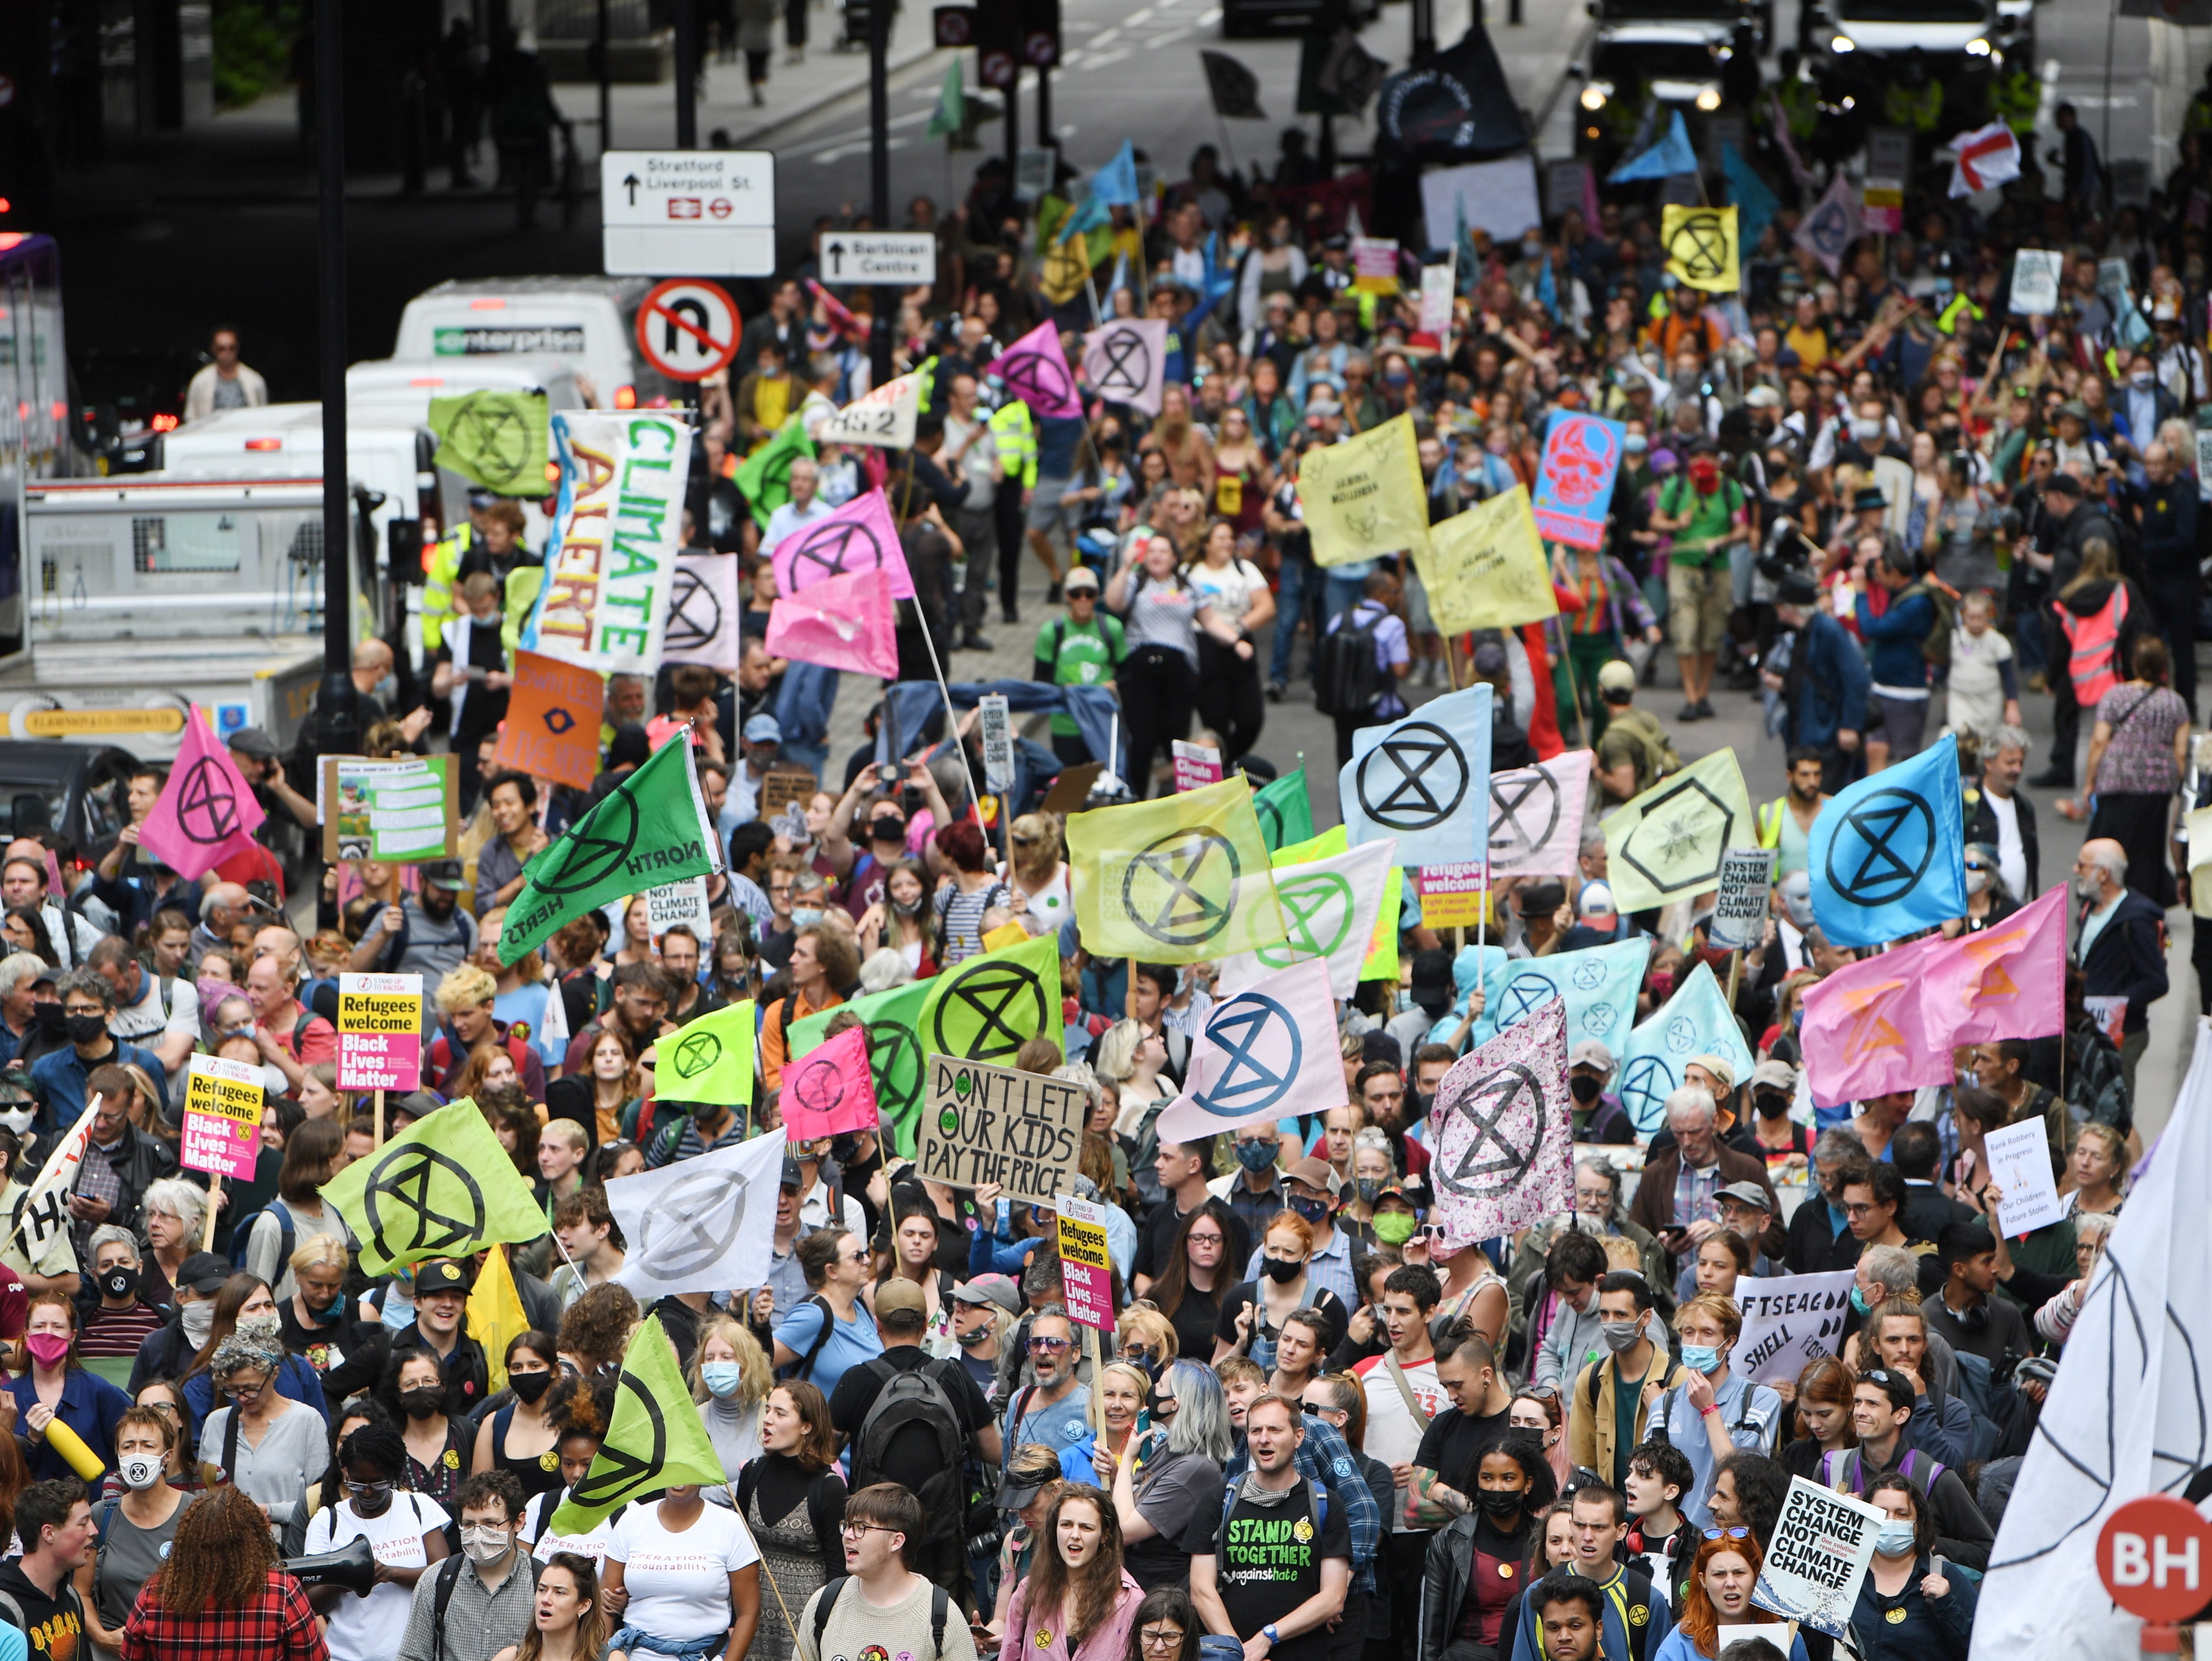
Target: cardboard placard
1196	765
552	725
1789	1320
785	787
1819	1555
982	1123
399	812
380	1032
1086	1272
1073	788
1739	915
224	1101
1452	896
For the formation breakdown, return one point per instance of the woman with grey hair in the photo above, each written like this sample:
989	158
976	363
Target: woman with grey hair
175	1211
261	1442
1182	1474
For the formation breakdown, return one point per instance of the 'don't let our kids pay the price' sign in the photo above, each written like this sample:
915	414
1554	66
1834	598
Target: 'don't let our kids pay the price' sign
222	1118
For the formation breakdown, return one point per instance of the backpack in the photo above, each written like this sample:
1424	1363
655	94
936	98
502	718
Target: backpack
940	1610
1921	1466
916	1397
805	1367
1347	679
242	1236
2098	1092
449	1576
1935	644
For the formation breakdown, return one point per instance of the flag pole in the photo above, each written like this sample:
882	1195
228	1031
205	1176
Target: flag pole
952	730
215	1193
767	1574
379	1119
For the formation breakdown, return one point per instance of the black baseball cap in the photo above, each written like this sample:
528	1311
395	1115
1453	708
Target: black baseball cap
440	1275
205	1272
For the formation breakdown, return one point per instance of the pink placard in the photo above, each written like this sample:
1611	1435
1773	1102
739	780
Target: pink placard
224	1101
380	1032
1196	766
1086	1272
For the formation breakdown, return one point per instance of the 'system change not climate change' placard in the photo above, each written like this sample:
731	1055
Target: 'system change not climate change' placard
994	1124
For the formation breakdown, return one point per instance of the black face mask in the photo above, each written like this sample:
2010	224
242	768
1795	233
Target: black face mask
422	1403
47	1017
1500	1502
1282	1270
1769	1103
529	1386
887	827
1586	1089
118	1282
84	1029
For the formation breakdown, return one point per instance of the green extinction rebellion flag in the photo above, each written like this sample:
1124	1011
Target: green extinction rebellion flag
655	1439
496	440
1285	812
995	1002
442	1188
764	475
652	829
894	1063
709	1060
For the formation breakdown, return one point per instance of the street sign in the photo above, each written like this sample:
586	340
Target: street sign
995	67
954	26
688	328
895	259
1041	32
710	212
2154	1556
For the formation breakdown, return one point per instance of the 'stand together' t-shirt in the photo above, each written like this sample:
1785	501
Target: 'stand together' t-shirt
679	1584
1267	1559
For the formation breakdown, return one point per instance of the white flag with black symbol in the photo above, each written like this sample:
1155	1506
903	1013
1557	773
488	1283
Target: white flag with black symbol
1329	909
1425	780
1269	1052
42	1212
701	1225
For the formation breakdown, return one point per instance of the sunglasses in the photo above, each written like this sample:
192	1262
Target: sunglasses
1049	1346
1728	1533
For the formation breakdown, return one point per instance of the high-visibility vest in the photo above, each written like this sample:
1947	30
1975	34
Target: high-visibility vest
2092	644
1918	109
1961	306
2016	96
440	578
518	597
1015	434
1769	822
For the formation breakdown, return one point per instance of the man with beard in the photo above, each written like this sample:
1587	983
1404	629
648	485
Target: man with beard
640	1011
1056	1410
427	933
1785	823
1823	682
1706	514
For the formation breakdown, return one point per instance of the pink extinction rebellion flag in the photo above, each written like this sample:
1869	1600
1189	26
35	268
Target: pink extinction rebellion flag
1502	1129
860	536
1035	369
206	811
828	1090
1891	1021
840	623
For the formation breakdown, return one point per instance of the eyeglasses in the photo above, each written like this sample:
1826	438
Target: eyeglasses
1206	1240
1541	1392
1050	1346
1156	1638
1728	1533
1857	1210
854	1530
364	1489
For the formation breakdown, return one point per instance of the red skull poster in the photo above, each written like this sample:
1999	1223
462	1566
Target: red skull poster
1574	482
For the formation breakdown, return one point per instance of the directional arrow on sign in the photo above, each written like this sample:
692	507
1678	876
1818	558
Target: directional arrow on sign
629	181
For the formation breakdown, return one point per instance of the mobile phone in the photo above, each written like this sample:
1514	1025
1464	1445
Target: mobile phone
1144	1422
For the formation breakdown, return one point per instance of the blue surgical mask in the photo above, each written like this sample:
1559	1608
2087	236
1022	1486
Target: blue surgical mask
1256	1156
721	1377
1635	443
1701	1358
1859	1302
805	916
1894	1538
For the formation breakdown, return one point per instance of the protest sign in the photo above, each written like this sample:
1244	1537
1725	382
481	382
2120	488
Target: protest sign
1437	287
682	902
394	811
1484	568
2020	1164
1365	497
995	727
785	787
1196	765
1739	915
1818	1554
1374	265
222	1118
552	725
982	1123
380	1032
1574	478
610	562
1086	1273
2035	273
1452	895
1789	1320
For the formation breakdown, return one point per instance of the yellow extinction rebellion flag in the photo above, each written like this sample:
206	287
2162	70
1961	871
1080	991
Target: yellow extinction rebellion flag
1701	247
442	1188
1181	879
655	1439
1365	498
1669	842
1484	568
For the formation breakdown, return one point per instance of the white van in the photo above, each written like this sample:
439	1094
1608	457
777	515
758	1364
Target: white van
391	458
398	390
588	323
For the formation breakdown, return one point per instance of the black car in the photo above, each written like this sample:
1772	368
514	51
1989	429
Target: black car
81	790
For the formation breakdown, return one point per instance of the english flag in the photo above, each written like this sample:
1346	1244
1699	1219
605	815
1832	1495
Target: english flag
1988	156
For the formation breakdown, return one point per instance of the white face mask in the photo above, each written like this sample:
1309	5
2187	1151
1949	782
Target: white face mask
18	1119
197	1321
486	1544
1977	881
140	1471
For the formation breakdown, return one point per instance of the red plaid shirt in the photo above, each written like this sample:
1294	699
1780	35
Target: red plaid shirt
277	1626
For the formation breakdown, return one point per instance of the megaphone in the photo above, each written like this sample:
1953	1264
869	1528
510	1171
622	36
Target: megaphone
352	1566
